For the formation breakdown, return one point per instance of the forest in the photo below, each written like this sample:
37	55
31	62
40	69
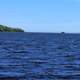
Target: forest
10	29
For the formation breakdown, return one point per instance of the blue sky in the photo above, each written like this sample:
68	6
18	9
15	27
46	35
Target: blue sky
41	15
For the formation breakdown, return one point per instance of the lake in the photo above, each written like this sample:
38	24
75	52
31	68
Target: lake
39	56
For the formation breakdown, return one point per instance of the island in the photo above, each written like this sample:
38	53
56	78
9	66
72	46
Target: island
10	29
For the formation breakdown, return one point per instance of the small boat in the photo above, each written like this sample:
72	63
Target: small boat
62	32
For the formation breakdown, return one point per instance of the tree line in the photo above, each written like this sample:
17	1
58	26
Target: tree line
10	29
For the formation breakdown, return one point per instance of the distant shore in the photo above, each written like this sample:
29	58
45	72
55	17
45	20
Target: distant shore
9	29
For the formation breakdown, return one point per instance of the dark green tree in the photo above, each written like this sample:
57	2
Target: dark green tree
9	29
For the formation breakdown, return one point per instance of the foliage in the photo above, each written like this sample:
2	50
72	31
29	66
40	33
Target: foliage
9	29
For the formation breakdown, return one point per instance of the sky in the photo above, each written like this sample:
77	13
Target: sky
41	15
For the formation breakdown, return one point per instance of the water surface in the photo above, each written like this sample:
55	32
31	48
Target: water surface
40	56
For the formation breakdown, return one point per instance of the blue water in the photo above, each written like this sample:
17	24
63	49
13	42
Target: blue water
40	56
